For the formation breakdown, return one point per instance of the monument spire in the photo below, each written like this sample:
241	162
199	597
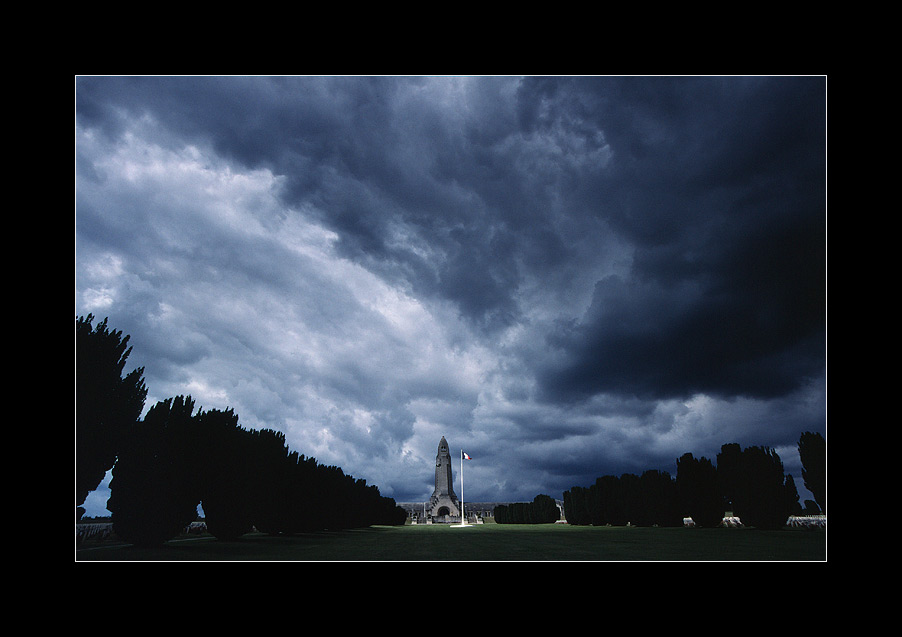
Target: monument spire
443	503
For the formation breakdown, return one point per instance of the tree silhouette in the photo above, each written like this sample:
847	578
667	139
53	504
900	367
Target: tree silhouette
268	454
226	478
166	464
750	482
658	503
813	453
811	508
758	487
696	483
155	488
542	510
106	403
605	504
575	509
729	474
627	497
792	495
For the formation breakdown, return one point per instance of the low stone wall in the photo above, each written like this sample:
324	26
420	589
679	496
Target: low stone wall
104	531
730	520
85	532
807	521
794	521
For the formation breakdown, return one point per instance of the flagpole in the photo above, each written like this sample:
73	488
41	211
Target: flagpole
463	516
463	519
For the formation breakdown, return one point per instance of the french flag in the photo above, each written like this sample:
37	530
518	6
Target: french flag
466	456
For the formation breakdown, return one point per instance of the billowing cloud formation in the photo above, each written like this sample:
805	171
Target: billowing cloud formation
567	277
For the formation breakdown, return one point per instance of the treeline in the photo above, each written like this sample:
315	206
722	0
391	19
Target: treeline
174	459
542	510
749	482
646	500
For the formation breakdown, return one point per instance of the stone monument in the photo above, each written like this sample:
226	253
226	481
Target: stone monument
443	504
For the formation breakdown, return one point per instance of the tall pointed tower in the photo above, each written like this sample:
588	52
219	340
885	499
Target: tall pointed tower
443	501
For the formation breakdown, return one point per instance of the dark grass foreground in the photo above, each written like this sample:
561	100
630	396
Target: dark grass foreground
490	542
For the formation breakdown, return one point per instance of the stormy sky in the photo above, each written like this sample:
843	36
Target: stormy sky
566	277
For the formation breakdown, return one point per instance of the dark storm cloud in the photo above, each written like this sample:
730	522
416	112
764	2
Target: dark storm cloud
566	276
721	191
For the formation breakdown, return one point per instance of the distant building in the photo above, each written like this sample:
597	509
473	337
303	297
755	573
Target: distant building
444	506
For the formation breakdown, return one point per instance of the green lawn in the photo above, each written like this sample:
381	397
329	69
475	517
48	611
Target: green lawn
490	542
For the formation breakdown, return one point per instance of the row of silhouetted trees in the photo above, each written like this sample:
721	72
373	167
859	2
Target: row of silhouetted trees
176	458
749	482
542	510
